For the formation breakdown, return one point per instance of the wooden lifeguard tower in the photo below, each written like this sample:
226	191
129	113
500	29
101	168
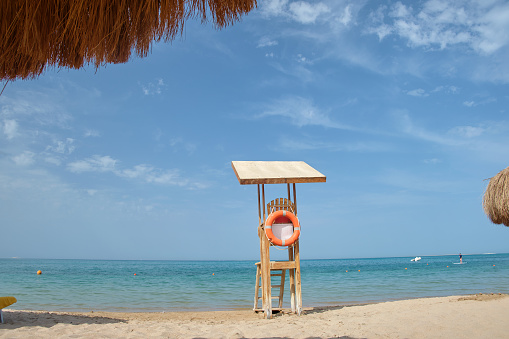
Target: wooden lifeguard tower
285	209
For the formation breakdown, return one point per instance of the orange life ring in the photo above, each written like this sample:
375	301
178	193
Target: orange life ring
282	217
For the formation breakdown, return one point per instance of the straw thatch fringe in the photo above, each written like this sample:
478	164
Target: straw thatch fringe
36	34
496	198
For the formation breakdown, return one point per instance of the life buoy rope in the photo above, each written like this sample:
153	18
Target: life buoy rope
282	217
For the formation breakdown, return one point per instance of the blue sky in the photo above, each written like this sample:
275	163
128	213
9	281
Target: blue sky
402	105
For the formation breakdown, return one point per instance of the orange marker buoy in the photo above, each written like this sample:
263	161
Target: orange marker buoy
213	274
493	265
346	271
39	272
405	268
134	273
447	266
359	270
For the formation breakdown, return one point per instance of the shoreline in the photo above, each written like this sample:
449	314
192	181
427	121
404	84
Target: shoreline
472	316
311	306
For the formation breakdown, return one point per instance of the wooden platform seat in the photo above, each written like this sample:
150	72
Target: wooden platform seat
280	204
4	302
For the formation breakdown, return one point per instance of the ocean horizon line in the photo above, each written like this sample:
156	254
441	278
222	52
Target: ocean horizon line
258	259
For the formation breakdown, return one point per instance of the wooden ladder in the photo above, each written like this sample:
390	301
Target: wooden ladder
274	272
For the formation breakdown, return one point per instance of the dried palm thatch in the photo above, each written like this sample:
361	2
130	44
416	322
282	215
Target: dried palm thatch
71	33
496	198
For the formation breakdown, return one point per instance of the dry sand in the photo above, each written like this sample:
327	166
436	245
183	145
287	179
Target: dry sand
476	316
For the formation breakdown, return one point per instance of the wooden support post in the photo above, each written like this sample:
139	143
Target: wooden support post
295	199
257	287
265	263
259	208
298	290
266	283
263	199
292	280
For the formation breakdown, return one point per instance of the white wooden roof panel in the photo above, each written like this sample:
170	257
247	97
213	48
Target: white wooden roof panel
275	172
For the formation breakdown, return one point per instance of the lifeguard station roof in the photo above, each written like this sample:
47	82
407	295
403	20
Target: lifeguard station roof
275	172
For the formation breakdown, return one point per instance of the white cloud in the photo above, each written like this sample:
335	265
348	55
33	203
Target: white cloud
485	101
467	131
24	159
91	192
448	89
286	143
462	136
136	172
411	129
53	160
91	133
266	42
153	88
307	13
169	177
400	11
418	93
273	7
93	164
379	27
143	172
441	24
62	147
346	17
432	161
492	28
301	11
36	108
10	129
301	112
297	70
150	174
302	59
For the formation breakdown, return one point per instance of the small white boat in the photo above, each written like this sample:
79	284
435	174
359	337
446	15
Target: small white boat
416	259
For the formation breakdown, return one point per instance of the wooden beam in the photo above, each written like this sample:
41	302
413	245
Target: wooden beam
292	279
295	200
298	289
266	288
259	208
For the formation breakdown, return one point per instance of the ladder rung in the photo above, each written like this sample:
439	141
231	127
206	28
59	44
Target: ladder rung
272	286
276	297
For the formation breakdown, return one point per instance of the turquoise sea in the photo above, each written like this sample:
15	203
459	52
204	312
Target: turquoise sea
111	285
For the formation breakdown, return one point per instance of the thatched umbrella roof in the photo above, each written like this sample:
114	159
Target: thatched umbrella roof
71	33
496	198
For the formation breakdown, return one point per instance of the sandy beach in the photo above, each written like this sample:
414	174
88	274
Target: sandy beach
474	316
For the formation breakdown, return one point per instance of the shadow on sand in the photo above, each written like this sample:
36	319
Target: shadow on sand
16	319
